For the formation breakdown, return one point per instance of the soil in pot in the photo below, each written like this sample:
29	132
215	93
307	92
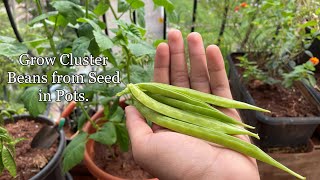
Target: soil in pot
280	101
29	161
118	163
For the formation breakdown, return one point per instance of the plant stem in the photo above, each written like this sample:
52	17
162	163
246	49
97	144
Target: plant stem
85	112
130	15
49	36
113	12
128	64
88	117
87	8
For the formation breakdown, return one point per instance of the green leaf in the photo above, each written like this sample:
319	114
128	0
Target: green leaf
80	46
69	10
309	23
92	23
158	41
117	115
122	137
140	74
74	152
141	49
13	49
5	39
59	20
309	53
1	163
81	120
123	6
135	4
35	43
113	108
167	4
312	80
42	17
106	135
102	40
140	17
101	8
110	56
30	99
8	161
85	29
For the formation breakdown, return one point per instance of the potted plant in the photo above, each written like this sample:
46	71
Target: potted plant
260	77
18	157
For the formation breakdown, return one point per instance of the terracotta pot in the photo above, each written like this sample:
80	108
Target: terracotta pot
89	152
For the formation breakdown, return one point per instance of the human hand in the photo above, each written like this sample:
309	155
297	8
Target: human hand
170	155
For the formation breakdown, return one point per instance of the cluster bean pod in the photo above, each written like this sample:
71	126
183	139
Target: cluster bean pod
199	120
210	135
205	97
212	112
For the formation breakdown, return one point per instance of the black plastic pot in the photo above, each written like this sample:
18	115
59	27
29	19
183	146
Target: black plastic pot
274	132
53	170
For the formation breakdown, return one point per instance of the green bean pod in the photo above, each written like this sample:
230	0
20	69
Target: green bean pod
173	94
199	119
212	112
205	97
210	135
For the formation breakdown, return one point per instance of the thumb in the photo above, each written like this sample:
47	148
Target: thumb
136	125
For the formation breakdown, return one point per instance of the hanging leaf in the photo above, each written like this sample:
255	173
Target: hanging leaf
92	23
12	49
106	135
30	99
42	17
85	29
101	8
122	137
1	163
117	115
69	10
81	120
80	46
123	6
35	43
309	23
135	4
312	80
167	4
141	49
102	40
6	39
74	152
8	161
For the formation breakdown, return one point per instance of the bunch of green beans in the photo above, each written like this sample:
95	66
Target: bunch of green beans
190	112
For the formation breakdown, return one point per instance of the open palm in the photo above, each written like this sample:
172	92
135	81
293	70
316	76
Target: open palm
169	155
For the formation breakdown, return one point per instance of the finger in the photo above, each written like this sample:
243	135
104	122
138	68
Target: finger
199	77
178	69
162	64
219	83
136	125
